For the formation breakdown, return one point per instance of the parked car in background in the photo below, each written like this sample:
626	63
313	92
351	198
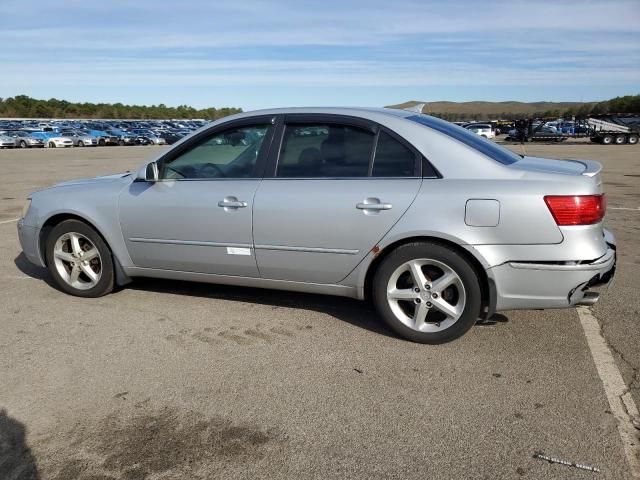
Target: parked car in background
53	139
24	139
436	226
173	137
7	141
80	138
545	132
482	129
152	137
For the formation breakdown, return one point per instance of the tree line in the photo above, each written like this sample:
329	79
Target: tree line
625	104
23	106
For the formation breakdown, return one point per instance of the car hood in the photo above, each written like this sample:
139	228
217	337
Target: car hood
85	181
547	165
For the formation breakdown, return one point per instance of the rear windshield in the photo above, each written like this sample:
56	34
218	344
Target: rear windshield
484	146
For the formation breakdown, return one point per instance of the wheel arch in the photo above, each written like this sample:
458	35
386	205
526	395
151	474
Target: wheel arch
121	277
487	287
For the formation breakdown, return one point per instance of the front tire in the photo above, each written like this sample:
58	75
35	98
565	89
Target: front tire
79	260
80	143
52	145
427	293
23	144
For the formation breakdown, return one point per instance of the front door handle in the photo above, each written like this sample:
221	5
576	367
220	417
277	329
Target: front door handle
231	202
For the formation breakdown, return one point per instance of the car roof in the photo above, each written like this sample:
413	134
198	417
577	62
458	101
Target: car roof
364	112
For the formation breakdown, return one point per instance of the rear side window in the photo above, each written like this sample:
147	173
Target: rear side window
393	159
325	151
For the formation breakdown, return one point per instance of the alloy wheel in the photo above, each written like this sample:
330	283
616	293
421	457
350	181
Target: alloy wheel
77	261
426	295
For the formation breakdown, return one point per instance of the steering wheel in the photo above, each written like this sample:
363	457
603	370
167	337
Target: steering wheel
212	166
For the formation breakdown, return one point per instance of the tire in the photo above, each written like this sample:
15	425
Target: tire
23	144
80	143
621	139
52	145
607	140
633	139
462	296
101	142
121	143
61	256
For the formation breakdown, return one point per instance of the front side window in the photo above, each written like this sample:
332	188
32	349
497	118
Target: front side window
325	151
229	154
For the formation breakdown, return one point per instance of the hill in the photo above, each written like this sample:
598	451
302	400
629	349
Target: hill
496	110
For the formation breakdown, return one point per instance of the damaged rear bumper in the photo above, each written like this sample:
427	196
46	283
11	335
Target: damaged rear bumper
524	285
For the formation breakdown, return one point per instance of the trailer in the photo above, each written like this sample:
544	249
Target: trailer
614	129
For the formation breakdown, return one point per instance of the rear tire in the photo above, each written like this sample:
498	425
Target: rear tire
71	263
633	139
607	140
442	309
23	144
52	145
80	143
621	139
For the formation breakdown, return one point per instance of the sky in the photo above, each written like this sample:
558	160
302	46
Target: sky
260	54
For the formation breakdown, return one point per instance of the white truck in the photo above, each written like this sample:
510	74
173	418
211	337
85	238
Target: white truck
615	129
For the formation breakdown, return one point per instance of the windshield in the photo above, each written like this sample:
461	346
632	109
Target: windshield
482	145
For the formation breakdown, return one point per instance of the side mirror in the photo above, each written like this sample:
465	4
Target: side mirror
148	173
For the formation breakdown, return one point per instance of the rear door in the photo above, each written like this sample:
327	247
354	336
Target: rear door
333	188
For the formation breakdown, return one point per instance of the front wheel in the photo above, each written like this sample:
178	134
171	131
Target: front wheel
79	260
52	145
23	144
80	143
427	293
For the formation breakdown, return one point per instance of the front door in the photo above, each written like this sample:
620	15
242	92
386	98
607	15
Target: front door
198	217
337	188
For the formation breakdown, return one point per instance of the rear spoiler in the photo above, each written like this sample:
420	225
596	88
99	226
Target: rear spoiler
592	168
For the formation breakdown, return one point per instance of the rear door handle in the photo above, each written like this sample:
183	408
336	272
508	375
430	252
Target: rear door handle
231	202
373	204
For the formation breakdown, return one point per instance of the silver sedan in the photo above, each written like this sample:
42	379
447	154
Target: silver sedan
436	225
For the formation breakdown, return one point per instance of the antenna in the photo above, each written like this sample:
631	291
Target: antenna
418	107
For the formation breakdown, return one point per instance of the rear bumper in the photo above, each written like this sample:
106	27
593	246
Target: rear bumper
524	285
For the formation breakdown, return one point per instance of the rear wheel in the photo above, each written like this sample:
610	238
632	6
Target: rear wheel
621	139
607	140
23	144
79	260
101	142
427	293
52	145
633	139
80	143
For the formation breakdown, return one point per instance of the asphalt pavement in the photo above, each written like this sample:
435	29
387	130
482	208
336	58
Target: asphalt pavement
167	379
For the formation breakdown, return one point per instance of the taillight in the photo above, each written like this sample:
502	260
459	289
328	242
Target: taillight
576	209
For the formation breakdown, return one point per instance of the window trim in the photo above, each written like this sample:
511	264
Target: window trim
197	139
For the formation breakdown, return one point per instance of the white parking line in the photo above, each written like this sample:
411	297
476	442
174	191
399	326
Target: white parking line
623	208
9	221
620	400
